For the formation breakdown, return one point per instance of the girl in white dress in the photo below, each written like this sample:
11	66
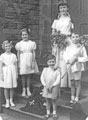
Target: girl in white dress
62	25
76	55
8	72
26	58
50	79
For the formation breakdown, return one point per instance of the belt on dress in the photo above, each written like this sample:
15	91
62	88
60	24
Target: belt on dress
21	52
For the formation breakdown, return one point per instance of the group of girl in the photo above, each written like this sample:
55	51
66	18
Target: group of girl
24	64
74	55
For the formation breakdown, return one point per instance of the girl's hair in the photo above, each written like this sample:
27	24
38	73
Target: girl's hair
25	30
50	57
62	3
6	42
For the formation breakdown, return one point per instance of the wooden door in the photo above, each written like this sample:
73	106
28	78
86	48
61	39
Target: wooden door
79	13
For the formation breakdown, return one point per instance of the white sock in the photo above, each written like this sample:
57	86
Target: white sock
72	97
48	112
76	99
28	89
11	99
7	101
54	112
24	92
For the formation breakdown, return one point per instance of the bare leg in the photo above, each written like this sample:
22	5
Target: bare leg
72	90
78	89
48	106
11	97
6	93
54	108
23	81
28	85
23	86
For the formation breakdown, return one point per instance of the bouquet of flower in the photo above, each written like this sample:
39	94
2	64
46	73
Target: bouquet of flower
60	40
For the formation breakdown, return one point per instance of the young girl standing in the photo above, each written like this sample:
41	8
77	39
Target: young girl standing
26	58
8	72
62	25
50	79
75	55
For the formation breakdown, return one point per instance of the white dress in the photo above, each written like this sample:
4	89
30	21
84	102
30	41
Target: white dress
27	57
9	70
64	25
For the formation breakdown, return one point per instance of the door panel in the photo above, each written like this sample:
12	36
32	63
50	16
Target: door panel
79	13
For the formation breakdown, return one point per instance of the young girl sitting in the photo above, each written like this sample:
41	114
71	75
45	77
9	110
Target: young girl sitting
75	55
8	72
50	79
26	58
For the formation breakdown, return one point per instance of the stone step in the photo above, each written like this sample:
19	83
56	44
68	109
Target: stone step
9	117
17	113
20	99
14	113
63	101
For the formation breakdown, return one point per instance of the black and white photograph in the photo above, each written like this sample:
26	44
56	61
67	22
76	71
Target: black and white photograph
43	59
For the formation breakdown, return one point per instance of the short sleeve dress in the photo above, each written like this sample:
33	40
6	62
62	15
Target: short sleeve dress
9	70
27	60
63	24
50	76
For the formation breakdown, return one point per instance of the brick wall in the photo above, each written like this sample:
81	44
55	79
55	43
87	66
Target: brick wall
16	14
38	15
48	12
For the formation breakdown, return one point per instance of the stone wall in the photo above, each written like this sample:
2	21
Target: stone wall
17	14
48	12
38	15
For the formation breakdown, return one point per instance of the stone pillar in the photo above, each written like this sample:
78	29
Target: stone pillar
48	11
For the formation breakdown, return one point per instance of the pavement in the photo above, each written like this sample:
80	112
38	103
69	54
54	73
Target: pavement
63	114
7	117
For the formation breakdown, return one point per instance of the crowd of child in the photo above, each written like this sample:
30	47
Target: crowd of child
74	55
